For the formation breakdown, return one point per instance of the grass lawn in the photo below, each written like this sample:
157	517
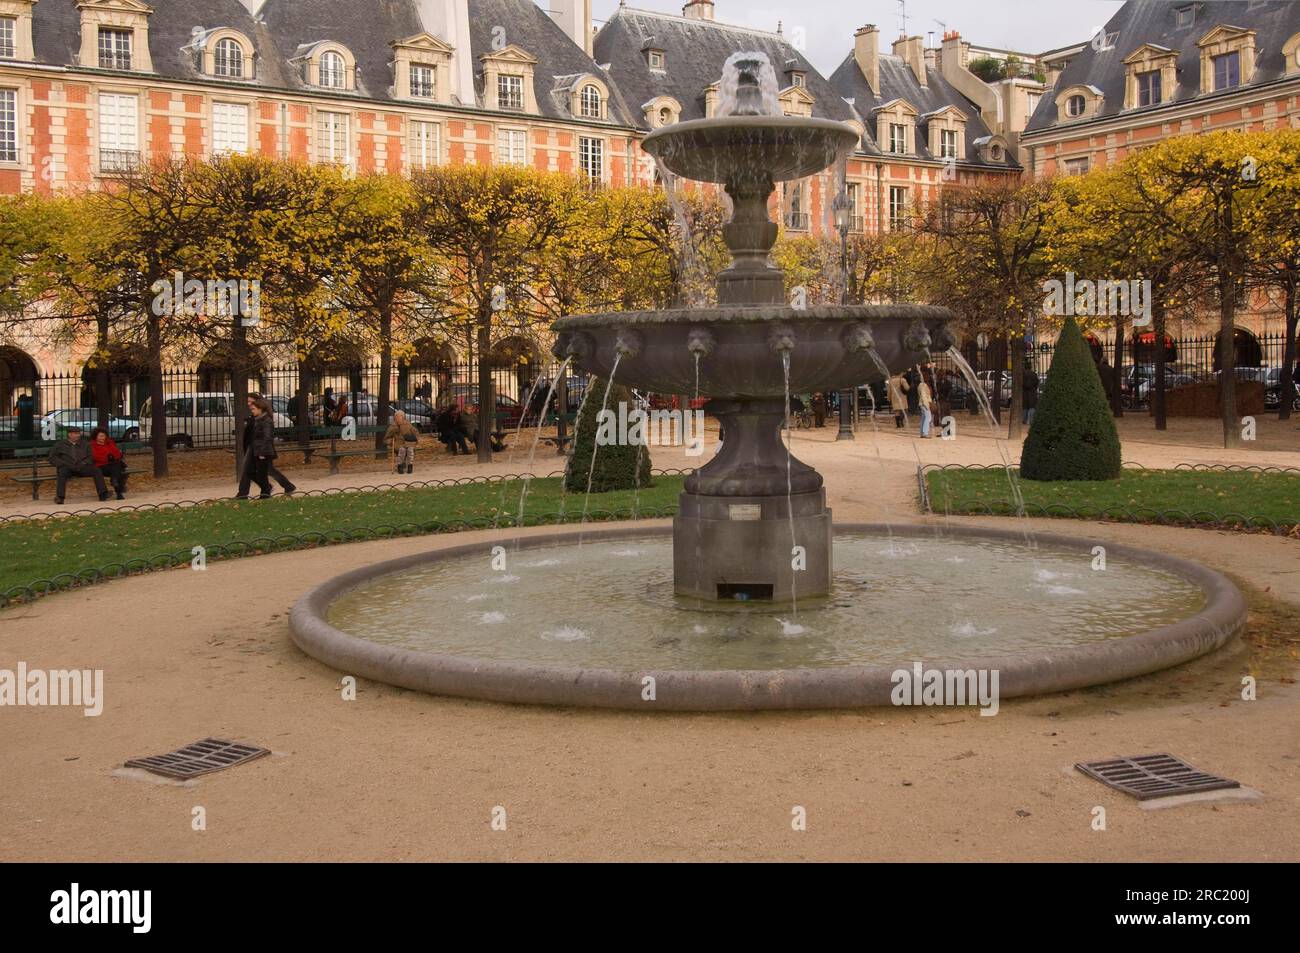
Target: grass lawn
42	549
1138	495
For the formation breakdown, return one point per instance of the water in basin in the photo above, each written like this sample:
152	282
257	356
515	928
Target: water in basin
610	604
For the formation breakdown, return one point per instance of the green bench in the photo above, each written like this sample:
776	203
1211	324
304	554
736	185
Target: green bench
38	453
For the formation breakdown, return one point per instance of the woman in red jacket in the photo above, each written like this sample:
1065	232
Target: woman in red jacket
108	458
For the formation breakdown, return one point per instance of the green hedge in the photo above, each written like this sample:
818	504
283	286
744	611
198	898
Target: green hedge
619	465
1073	435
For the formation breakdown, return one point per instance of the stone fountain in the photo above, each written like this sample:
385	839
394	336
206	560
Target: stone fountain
593	617
742	515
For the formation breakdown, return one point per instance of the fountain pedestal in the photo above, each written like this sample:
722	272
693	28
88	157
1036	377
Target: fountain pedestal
753	522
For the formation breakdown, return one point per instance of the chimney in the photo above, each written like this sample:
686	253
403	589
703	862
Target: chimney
866	52
953	54
698	10
448	20
574	18
912	51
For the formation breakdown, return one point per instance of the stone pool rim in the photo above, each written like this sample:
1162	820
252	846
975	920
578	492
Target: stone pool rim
852	686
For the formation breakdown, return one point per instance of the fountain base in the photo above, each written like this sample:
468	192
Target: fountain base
769	548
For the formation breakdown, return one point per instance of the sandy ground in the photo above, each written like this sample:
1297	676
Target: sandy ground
399	775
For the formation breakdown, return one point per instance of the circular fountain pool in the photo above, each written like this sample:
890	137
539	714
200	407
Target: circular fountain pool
586	620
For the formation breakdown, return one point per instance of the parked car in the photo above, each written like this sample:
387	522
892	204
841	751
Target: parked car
198	420
509	410
420	414
125	429
1135	382
986	378
1273	390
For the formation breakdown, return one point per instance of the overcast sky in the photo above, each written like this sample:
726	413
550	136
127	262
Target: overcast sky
1031	26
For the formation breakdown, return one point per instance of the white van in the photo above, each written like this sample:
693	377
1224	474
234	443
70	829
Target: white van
198	420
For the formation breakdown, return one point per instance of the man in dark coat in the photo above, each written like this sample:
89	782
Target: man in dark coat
71	457
1029	393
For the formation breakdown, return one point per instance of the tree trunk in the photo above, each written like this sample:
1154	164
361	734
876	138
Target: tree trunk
995	381
1228	361
1287	390
486	398
1016	414
1117	370
157	413
239	386
1158	387
385	374
103	381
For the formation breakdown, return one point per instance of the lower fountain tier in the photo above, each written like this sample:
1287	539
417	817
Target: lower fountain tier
744	547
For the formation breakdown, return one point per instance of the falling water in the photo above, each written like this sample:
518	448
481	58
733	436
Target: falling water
880	463
595	447
973	381
510	457
564	482
789	480
537	436
690	263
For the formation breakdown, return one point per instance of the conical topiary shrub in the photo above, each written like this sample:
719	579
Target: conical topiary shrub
620	465
1073	435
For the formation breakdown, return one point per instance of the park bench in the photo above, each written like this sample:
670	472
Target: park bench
334	454
35	456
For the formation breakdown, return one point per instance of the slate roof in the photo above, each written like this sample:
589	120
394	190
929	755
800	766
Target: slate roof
366	27
695	51
1155	21
897	81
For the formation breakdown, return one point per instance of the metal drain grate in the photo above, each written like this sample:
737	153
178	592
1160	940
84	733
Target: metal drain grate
202	757
1154	775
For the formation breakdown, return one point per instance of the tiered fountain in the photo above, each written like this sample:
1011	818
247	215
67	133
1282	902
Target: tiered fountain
596	617
743	513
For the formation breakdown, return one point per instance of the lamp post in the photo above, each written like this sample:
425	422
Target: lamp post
840	206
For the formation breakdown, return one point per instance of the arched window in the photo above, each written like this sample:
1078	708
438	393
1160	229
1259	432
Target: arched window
591	102
332	70
228	58
1075	105
665	116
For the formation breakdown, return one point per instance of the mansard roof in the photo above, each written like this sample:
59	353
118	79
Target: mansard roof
368	29
897	81
695	51
1155	23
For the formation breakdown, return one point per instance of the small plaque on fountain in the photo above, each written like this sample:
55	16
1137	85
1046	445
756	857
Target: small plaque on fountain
745	511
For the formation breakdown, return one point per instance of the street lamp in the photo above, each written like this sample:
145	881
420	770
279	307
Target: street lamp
841	207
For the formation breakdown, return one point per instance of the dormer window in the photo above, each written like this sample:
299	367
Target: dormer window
948	144
228	58
8	38
798	78
591	102
114	48
995	152
1185	16
656	58
333	71
665	116
1075	105
1227	70
423	84
1148	88
510	91
897	138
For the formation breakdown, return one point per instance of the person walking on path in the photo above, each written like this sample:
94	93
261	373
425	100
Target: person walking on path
898	401
109	460
925	399
71	457
402	439
250	471
1029	393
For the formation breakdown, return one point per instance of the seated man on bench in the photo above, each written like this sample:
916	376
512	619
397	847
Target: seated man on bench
72	457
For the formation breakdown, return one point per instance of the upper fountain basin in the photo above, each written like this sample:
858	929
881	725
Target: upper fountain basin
740	350
727	147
